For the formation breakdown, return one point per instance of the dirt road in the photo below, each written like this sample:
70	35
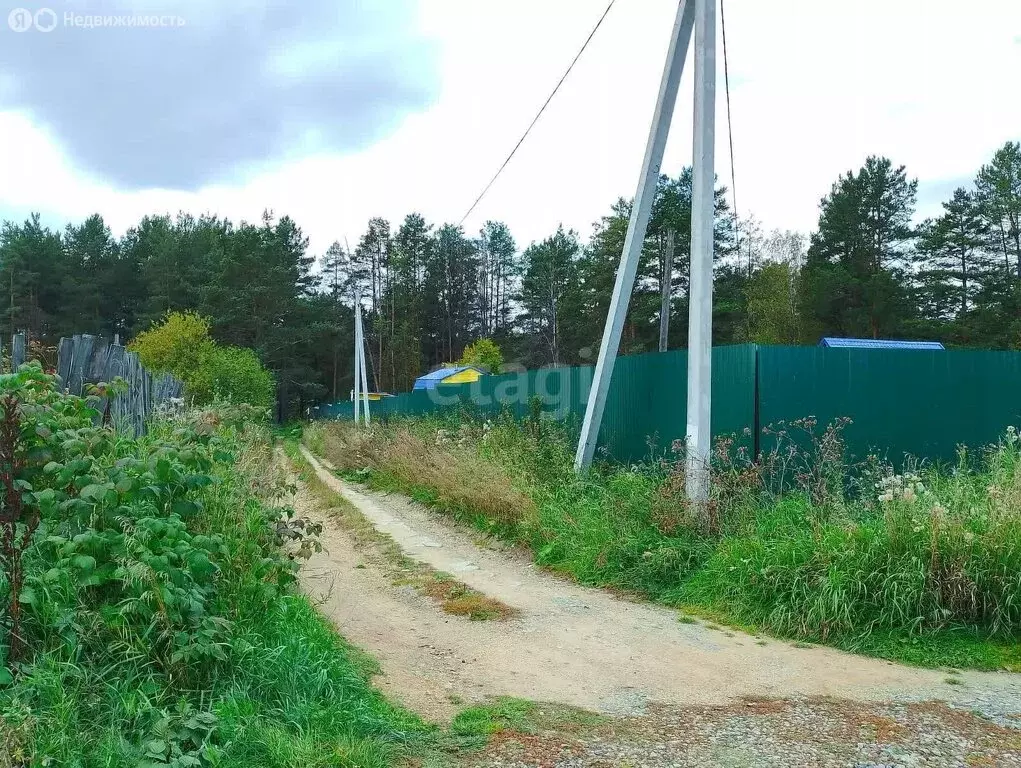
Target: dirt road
584	647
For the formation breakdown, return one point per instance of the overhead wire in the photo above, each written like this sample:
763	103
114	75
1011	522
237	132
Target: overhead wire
730	135
539	113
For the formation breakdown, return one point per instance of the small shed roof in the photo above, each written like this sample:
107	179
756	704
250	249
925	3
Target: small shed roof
431	379
832	341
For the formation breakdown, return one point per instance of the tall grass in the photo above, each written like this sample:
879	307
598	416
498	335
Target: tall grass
424	462
925	567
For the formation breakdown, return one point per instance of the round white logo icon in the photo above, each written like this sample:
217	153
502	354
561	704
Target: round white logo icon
20	20
45	20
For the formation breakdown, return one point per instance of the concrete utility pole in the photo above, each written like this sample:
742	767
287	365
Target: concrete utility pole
700	297
640	210
664	304
360	363
700	15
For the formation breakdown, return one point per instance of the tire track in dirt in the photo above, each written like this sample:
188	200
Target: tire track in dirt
576	645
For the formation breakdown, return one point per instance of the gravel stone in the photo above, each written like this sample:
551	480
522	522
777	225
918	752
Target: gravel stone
764	733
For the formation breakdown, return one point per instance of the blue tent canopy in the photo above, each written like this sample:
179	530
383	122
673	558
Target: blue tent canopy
431	379
832	341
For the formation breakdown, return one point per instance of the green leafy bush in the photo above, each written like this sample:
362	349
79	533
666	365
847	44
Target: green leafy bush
181	344
234	374
484	354
177	344
159	623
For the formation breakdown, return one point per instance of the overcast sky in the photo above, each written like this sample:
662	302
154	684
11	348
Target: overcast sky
333	111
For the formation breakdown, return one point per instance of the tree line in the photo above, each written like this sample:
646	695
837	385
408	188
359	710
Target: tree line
955	277
429	291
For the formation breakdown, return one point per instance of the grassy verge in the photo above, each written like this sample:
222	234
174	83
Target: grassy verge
453	597
924	569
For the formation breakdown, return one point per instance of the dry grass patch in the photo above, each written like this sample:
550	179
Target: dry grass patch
458	599
15	742
462	481
881	728
458	480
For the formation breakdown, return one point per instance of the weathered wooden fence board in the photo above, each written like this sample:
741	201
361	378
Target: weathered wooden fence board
64	353
18	344
84	359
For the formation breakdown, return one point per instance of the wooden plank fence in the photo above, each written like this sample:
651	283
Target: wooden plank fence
84	359
18	350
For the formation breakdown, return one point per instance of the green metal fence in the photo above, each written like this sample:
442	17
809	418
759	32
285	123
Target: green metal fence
646	408
900	401
920	403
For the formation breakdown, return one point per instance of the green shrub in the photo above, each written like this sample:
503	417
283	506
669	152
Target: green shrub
234	374
484	354
177	344
181	344
160	624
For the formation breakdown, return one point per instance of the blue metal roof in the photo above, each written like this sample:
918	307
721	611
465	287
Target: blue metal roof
832	341
431	379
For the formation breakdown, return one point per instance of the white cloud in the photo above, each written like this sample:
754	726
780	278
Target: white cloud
816	86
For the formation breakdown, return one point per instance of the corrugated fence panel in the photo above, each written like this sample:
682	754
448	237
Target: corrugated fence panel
914	402
645	410
647	407
733	391
923	403
640	411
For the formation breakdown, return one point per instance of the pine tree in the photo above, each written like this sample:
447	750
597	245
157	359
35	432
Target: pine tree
372	278
498	270
450	285
335	282
671	211
953	262
94	293
412	250
853	282
32	279
549	295
999	197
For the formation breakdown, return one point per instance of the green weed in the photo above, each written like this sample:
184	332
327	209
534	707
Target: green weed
160	626
472	727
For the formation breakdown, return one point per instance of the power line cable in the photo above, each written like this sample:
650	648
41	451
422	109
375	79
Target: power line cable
730	133
539	113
